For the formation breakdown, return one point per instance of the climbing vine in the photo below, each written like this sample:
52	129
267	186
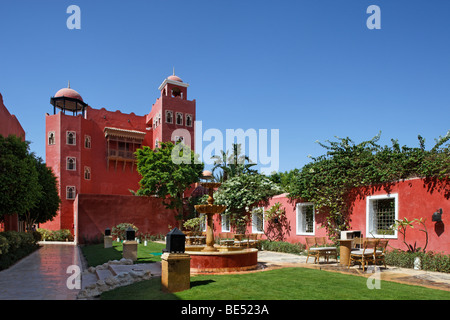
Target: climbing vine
330	179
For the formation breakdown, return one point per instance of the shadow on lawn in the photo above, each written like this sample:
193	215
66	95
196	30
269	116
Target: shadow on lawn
200	283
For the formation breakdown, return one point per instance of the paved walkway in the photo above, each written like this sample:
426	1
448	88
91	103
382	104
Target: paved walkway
43	274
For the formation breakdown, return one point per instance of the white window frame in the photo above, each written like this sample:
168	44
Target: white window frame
176	118
299	217
74	163
226	223
87	142
68	192
171	116
87	170
255	222
74	134
48	138
370	215
188	116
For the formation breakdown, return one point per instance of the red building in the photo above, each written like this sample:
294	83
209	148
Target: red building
373	211
91	151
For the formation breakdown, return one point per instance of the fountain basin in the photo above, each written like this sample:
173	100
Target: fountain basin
226	259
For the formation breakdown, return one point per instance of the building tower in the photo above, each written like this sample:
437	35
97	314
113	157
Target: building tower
91	151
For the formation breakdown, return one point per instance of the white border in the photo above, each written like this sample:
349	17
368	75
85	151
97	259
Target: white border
297	206
368	208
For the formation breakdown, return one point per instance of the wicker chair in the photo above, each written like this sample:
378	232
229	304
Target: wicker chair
380	252
366	254
316	247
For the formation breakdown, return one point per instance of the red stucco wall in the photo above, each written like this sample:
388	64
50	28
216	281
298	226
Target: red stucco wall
417	198
98	212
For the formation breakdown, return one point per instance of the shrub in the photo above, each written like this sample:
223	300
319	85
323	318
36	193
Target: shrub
430	261
280	246
4	245
119	231
14	246
55	235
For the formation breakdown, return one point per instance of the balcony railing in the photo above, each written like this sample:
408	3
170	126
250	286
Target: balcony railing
120	154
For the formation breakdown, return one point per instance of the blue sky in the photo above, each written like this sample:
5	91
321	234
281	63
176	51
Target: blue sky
311	69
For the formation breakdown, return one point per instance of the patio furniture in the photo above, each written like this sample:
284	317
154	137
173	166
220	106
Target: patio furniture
380	252
344	251
364	255
316	247
357	243
253	240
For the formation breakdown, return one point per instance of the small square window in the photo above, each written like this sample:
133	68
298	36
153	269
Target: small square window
381	213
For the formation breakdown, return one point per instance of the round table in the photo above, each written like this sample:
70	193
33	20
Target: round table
346	247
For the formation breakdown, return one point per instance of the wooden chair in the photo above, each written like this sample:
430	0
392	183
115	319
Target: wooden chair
366	254
311	248
324	248
380	252
357	243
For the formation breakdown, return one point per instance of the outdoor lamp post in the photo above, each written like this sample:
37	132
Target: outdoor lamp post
130	234
437	216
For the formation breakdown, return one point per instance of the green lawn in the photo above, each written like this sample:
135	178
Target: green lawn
280	284
97	254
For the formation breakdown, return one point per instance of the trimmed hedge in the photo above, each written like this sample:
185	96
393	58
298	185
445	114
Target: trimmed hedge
16	245
430	261
280	246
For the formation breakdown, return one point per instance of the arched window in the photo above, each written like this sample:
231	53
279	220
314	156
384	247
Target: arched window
169	116
51	138
87	173
87	142
71	138
71	163
179	118
70	192
189	120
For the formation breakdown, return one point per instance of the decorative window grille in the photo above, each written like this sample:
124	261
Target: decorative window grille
71	138
179	118
382	211
51	137
225	222
169	116
70	192
87	173
71	163
188	120
305	218
258	220
87	142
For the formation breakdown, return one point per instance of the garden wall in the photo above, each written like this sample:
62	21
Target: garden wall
93	213
417	198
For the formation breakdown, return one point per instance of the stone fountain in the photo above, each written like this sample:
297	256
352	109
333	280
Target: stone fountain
213	258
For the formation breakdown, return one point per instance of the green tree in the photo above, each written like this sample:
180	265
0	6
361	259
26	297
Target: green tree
329	181
19	181
242	193
167	172
48	202
233	164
